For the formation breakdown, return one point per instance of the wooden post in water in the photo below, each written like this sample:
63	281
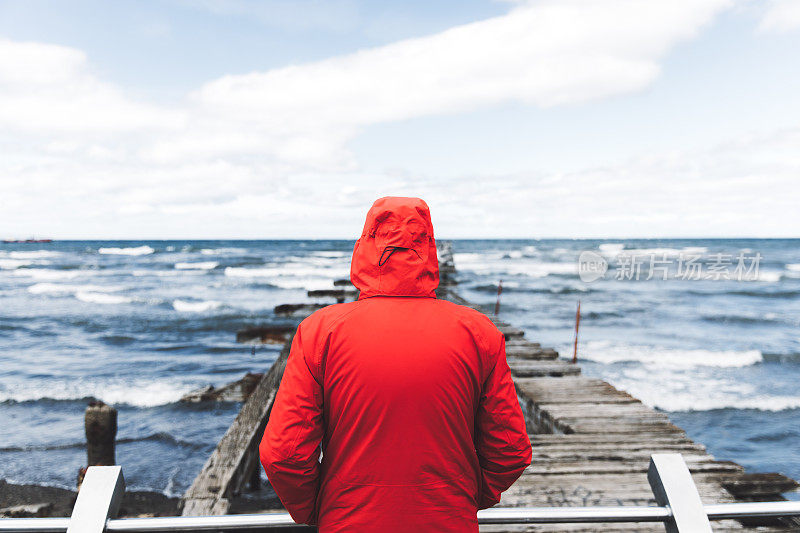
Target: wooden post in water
497	303
100	421
577	324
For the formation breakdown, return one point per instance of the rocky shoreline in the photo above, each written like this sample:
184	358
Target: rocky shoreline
30	501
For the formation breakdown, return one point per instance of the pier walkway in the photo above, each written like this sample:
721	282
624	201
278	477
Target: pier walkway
591	443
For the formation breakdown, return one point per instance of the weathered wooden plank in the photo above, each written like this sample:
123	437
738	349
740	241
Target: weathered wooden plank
757	484
341	295
600	410
526	368
531	353
629	465
231	464
590	439
572	389
551	448
510	331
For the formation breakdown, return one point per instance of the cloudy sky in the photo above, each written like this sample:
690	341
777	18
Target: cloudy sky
287	118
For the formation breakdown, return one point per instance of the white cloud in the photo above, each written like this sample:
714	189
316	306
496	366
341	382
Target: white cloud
544	54
49	88
781	16
254	154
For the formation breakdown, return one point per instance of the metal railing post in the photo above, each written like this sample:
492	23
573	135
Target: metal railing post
673	487
98	499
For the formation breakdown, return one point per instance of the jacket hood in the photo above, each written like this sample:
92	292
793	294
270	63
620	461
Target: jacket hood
396	253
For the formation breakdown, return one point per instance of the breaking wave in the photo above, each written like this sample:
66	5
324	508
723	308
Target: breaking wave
516	287
11	264
33	254
195	307
135	250
609	353
611	248
45	288
669	252
136	394
495	264
153	437
703	399
102	298
221	251
47	274
204	265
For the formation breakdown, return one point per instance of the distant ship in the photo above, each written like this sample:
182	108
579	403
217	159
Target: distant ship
26	241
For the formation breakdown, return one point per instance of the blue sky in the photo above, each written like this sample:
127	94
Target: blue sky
238	119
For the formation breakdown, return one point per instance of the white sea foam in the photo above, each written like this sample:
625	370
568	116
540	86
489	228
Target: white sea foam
676	401
654	251
11	264
694	250
467	258
332	254
136	393
44	288
47	274
792	270
496	264
681	389
164	273
33	254
241	272
701	397
194	307
292	270
222	251
102	298
315	261
611	247
137	250
203	265
769	276
609	353
541	270
97	294
307	283
668	252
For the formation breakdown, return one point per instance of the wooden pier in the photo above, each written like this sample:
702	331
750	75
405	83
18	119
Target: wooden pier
591	442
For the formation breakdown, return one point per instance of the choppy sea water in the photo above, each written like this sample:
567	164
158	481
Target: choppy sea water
138	324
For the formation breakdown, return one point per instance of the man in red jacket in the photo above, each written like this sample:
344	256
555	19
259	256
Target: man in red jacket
409	398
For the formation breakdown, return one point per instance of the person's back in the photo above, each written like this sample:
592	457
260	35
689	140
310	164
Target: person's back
410	397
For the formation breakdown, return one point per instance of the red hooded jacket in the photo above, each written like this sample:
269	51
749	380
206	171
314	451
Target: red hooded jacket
410	397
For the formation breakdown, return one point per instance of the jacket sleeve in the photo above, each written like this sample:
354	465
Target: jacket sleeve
502	443
290	448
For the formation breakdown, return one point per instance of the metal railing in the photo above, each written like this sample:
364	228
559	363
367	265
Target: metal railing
680	509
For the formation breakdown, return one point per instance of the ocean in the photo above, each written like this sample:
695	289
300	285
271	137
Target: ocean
139	323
